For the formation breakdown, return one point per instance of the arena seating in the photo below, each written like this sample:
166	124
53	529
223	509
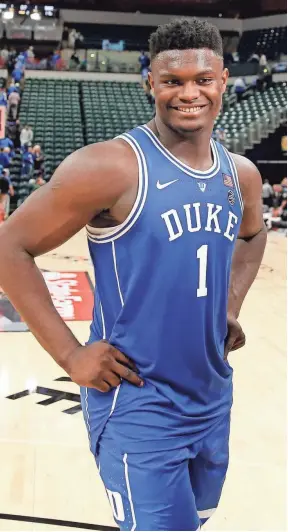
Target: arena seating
270	41
251	120
110	108
52	108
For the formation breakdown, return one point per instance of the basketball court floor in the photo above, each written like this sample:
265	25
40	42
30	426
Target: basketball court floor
48	480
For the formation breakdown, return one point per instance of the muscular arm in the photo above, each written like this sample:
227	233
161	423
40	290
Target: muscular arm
252	237
83	185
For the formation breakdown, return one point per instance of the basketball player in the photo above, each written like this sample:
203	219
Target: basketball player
176	236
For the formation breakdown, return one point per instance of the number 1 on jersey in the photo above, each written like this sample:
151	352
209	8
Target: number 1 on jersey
202	256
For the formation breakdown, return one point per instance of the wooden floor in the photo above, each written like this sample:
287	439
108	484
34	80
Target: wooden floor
46	470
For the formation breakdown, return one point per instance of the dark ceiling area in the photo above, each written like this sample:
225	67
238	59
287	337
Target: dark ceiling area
224	8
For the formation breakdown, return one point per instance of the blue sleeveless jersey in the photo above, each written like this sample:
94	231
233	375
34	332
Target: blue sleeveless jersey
162	281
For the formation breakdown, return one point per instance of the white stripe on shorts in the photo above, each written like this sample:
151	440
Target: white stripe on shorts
204	514
129	491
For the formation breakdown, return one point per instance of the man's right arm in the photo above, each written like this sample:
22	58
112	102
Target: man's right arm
83	185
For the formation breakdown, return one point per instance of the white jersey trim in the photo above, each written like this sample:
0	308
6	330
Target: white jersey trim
103	322
199	174
235	177
129	492
116	273
123	228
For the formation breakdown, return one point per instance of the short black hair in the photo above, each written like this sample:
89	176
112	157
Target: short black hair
184	34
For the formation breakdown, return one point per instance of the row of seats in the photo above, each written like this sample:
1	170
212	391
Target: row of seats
110	108
269	41
52	108
239	117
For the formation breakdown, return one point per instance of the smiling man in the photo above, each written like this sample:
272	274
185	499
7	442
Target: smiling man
176	236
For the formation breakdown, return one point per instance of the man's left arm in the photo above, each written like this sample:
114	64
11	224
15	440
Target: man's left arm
249	248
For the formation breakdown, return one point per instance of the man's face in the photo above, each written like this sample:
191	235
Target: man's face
188	87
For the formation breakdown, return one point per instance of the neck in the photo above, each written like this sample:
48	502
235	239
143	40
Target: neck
192	148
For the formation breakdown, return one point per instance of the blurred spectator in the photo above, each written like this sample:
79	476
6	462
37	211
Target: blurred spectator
83	65
239	87
55	58
9	152
27	161
263	60
65	36
6	143
38	158
267	193
74	62
18	73
13	87
6	190
72	38
37	183
144	61
4	54
265	79
4	158
16	135
220	135
30	53
254	58
3	97
236	57
26	136
13	104
10	64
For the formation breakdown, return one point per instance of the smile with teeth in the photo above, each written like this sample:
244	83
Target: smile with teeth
188	109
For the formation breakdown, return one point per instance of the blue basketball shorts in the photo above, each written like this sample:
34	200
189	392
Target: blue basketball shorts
177	489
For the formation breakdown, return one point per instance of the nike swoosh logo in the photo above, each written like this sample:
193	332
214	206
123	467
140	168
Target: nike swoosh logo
164	185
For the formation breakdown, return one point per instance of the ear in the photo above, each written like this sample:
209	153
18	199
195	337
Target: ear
225	76
151	80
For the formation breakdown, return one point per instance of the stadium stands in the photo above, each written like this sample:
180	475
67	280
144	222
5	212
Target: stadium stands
249	121
67	114
110	108
52	108
269	41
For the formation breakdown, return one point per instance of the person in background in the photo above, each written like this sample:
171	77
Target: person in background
263	60
3	97
72	38
55	58
13	104
38	158
4	158
4	54
9	152
30	53
27	161
267	193
254	58
144	61
6	143
10	64
18	72
74	62
16	135
34	184
6	190
12	88
26	136
239	87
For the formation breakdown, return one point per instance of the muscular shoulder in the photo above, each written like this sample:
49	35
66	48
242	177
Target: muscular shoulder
110	163
250	180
